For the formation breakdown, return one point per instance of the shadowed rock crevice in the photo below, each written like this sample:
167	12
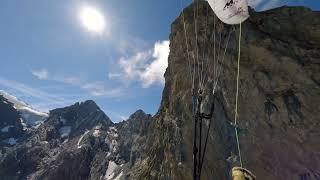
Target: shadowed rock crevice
293	105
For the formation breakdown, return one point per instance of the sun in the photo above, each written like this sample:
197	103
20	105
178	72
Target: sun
92	19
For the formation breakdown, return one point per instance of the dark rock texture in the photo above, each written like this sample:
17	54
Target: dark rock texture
10	123
279	98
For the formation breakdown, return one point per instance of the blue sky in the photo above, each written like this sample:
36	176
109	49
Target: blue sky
49	60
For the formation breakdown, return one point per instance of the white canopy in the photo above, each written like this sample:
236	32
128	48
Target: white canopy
230	11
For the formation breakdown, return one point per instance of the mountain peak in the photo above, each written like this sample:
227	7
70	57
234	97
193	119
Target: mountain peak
85	107
80	116
138	114
89	103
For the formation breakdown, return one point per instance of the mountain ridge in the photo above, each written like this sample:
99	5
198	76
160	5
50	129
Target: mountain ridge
79	136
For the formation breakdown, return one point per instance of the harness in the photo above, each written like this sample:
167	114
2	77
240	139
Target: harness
198	151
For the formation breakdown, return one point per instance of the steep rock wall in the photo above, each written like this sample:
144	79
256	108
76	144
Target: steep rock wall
279	98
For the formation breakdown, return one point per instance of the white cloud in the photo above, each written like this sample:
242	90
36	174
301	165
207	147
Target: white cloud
43	74
147	66
40	74
68	80
134	65
98	88
154	72
114	75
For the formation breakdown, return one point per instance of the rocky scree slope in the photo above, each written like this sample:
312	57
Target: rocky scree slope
279	98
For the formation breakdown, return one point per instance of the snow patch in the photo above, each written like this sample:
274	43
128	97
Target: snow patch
30	110
115	135
6	129
110	139
110	171
24	125
96	133
113	128
30	116
36	126
65	141
109	153
119	176
114	146
65	131
80	139
12	99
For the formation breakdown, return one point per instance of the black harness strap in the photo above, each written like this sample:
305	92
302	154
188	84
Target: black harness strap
198	153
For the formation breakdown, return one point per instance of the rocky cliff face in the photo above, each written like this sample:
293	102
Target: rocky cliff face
279	98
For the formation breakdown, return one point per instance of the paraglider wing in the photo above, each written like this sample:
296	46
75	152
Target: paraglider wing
230	11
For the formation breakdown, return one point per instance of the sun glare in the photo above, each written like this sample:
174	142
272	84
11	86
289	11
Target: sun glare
92	19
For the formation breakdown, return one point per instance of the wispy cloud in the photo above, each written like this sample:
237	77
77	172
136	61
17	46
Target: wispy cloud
43	74
114	75
94	88
48	100
117	117
40	74
271	4
99	89
146	66
68	80
261	5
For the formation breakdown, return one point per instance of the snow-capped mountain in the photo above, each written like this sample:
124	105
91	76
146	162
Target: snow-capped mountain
80	137
17	119
30	117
